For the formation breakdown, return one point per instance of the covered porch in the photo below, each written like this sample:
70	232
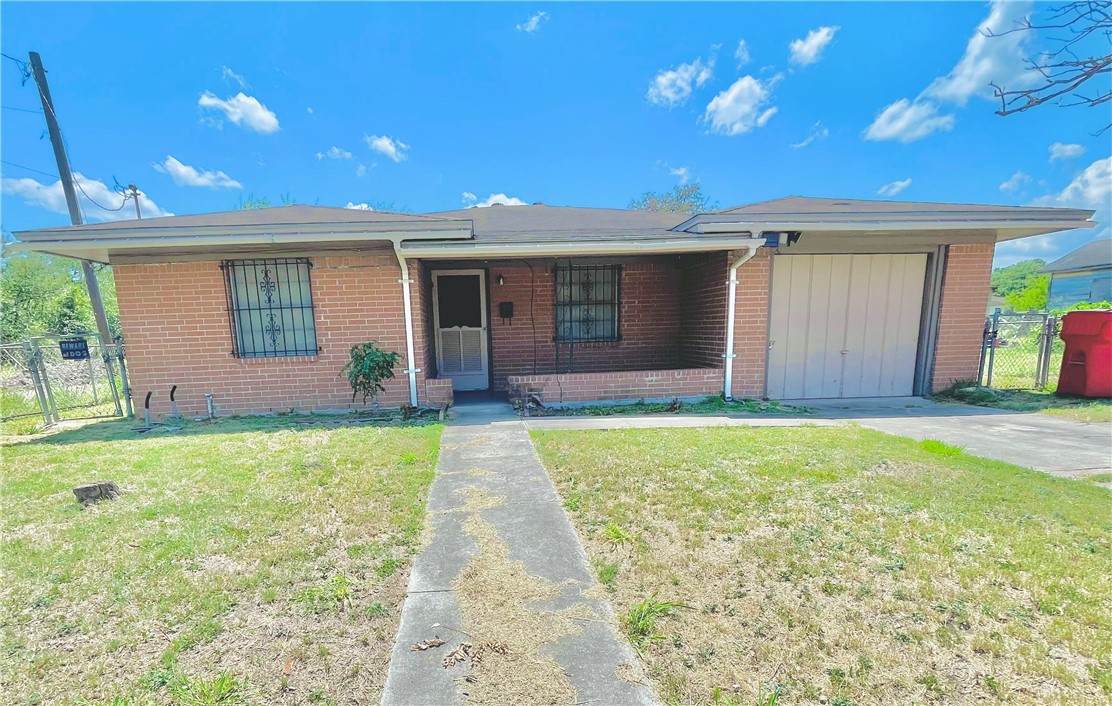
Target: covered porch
580	329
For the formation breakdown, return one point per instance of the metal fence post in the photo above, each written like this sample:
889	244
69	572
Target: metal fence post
984	352
123	376
36	380
992	344
38	362
106	356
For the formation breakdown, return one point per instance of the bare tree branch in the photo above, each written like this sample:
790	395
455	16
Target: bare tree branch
1087	29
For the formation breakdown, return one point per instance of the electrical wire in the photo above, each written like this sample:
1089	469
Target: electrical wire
22	110
36	171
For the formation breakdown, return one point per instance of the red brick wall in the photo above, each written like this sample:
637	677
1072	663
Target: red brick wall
751	326
703	310
965	291
176	331
650	323
627	385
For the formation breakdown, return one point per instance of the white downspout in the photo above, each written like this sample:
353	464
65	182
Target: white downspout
750	251
407	303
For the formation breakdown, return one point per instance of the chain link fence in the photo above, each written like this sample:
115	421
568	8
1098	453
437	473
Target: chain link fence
63	377
1021	351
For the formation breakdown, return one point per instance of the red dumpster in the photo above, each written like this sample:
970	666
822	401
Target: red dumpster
1087	364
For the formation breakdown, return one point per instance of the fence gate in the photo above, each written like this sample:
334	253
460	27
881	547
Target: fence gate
1020	351
63	377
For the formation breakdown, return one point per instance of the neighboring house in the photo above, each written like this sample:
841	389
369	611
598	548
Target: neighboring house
834	298
1084	275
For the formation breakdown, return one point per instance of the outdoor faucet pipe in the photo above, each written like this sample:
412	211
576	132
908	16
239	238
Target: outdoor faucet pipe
173	402
731	282
407	305
147	410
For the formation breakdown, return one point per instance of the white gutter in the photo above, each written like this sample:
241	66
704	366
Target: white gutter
222	240
887	226
750	251
423	229
474	249
407	304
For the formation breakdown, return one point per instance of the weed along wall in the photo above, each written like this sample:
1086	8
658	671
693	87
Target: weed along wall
177	331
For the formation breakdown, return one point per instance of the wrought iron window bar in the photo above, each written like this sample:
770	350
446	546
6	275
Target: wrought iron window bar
270	307
588	303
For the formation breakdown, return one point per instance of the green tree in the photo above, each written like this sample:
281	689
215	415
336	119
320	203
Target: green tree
46	294
1015	278
1033	297
681	199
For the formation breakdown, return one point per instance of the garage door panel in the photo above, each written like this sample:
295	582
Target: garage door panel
844	325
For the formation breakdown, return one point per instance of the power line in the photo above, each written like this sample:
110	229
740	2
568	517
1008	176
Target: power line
22	110
103	208
36	171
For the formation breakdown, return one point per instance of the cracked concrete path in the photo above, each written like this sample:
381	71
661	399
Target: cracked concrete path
488	468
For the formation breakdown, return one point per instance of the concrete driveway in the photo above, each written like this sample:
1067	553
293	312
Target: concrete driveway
1039	441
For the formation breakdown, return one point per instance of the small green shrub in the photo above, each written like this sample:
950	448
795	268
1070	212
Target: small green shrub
224	690
329	597
935	446
367	368
640	620
607	573
615	534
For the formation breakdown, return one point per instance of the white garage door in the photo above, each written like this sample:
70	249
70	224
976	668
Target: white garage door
844	325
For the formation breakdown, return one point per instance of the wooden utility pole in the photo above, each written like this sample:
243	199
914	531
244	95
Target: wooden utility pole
66	177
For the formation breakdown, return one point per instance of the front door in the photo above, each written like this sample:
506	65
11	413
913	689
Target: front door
460	318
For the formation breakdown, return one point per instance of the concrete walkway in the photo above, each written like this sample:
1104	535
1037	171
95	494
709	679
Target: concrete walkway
1042	442
493	501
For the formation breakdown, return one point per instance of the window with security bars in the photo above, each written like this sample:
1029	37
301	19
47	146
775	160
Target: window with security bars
588	301
270	307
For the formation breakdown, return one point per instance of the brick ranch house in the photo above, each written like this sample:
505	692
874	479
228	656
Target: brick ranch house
785	299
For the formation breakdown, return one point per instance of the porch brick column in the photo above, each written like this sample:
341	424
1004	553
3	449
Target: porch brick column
961	318
751	326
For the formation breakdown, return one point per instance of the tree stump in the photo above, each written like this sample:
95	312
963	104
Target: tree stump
94	492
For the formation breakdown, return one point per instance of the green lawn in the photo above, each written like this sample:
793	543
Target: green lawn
842	566
248	561
1079	409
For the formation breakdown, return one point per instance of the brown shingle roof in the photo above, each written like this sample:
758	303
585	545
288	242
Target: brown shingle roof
540	222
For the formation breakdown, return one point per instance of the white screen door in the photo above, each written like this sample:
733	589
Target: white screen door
460	318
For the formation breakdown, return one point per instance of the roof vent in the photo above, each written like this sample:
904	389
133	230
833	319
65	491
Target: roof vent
496	203
538	203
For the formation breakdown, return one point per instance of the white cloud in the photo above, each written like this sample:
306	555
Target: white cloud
818	132
186	175
742	54
742	106
673	87
1065	151
361	170
334	152
988	58
309	110
468	197
1092	188
245	111
500	199
388	146
809	50
894	188
53	198
358	206
230	76
908	121
681	173
533	23
1016	182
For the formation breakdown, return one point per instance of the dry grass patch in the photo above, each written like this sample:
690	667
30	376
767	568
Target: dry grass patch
495	596
248	561
844	566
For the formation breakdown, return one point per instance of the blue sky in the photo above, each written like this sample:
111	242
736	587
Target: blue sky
433	107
